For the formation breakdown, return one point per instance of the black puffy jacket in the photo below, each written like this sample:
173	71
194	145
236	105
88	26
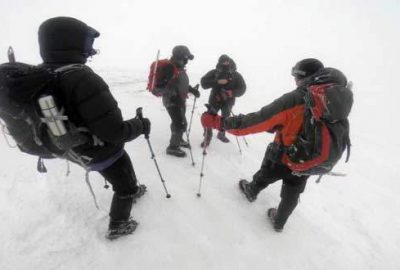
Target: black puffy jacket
88	103
83	94
235	83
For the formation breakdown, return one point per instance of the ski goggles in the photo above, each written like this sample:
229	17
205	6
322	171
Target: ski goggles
298	73
90	36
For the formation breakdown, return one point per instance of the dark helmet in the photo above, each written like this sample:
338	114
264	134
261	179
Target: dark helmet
329	75
66	40
181	55
306	68
181	52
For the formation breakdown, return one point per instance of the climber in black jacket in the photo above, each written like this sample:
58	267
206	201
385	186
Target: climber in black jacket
88	103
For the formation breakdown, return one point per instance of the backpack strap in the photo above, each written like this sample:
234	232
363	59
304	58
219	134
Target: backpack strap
348	147
40	166
70	67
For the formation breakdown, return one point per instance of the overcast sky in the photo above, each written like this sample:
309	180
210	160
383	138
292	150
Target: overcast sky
358	36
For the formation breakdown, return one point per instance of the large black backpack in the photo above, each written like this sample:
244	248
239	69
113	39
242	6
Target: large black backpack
325	132
21	85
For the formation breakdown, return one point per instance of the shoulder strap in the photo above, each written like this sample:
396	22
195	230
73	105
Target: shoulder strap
348	145
70	67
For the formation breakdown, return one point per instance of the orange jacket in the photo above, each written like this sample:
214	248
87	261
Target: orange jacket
284	116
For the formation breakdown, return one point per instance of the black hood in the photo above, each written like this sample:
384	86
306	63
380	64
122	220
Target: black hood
223	58
66	40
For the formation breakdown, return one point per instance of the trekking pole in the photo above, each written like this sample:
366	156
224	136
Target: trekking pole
244	137
139	115
238	144
191	116
201	172
11	55
190	148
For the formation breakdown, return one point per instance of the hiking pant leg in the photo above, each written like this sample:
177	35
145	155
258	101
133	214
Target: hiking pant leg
292	187
269	173
121	176
121	206
178	124
226	109
208	132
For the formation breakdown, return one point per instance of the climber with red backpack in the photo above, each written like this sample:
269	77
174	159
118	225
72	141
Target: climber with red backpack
312	132
169	80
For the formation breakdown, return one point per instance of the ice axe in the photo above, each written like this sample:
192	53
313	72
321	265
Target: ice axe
11	55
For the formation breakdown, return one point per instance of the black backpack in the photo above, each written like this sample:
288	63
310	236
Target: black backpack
21	85
325	132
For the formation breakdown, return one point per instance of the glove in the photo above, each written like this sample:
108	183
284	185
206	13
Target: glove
226	94
135	128
211	121
195	90
146	127
229	93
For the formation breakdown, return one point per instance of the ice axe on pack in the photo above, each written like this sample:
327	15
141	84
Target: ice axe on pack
139	115
11	55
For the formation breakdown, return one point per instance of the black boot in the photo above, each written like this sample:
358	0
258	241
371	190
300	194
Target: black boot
207	137
204	143
272	212
221	136
184	144
289	199
120	221
175	151
117	229
249	190
142	189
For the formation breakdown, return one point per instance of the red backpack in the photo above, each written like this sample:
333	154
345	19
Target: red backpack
325	133
159	77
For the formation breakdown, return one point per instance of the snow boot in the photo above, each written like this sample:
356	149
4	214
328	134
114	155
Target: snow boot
175	151
249	190
207	134
289	199
221	136
117	229
205	143
184	144
142	189
272	213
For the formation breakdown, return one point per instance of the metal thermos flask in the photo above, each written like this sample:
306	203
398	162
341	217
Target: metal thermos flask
52	115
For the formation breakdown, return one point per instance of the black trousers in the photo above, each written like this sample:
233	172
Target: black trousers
292	186
226	109
121	176
178	124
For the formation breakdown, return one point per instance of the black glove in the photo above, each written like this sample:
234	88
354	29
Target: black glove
195	90
135	128
146	126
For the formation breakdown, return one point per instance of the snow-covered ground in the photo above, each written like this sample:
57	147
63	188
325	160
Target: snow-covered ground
48	221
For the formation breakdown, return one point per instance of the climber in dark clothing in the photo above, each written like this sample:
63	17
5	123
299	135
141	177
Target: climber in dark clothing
175	87
226	85
88	103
